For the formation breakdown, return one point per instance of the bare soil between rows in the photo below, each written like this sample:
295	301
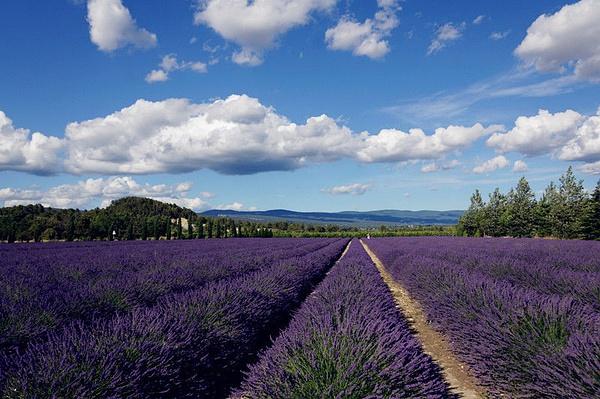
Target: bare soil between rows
434	344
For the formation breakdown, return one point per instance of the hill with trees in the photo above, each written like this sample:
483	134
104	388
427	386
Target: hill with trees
563	211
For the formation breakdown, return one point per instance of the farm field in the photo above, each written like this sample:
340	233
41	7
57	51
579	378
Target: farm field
298	318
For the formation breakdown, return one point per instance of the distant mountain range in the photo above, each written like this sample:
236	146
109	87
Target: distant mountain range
346	218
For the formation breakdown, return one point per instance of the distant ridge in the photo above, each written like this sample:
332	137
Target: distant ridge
346	218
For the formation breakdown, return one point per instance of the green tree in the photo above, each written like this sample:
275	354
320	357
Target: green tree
179	229
471	221
156	229
571	204
130	231
590	223
144	230
190	229
70	233
200	230
493	220
168	228
546	212
521	210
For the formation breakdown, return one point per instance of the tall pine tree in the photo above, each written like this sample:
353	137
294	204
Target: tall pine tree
590	223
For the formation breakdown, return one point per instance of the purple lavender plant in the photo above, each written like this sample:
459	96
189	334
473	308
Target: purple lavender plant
348	340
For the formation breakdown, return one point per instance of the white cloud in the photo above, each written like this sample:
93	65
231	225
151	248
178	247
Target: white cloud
499	162
237	135
234	206
112	26
591	168
391	145
445	34
436	166
91	192
520	166
565	40
365	38
479	19
169	64
499	35
352	189
256	25
585	143
539	134
157	75
25	151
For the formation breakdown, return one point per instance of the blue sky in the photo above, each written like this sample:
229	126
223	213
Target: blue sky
327	105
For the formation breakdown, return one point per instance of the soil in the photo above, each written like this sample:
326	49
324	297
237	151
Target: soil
434	344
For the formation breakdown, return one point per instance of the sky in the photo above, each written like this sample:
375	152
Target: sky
310	105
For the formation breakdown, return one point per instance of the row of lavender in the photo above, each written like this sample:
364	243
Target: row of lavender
524	314
190	343
348	340
45	286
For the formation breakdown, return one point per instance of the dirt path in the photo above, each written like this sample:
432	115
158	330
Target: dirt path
434	344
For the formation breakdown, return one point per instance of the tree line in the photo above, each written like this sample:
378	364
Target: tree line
134	218
563	211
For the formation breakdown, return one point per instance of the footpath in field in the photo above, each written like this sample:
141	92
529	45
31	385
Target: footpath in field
434	344
348	341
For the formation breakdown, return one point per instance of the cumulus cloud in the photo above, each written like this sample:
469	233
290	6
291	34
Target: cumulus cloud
91	192
25	151
565	40
436	166
568	136
236	135
445	34
365	38
256	25
170	64
499	162
113	27
391	145
351	189
520	166
539	134
235	206
585	143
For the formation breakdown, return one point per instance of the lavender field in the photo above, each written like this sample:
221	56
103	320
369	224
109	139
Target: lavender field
297	318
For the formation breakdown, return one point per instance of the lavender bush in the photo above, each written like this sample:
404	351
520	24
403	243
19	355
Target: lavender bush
44	286
348	340
193	343
525	331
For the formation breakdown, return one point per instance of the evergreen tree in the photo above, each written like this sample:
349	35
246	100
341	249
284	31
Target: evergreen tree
200	230
130	231
156	230
521	207
179	229
590	224
144	230
547	209
493	219
471	221
190	229
168	228
70	234
209	229
571	205
218	232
